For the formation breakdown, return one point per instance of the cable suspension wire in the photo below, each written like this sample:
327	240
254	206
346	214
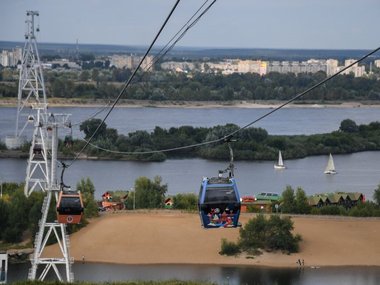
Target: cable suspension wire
306	91
188	26
127	83
94	114
162	52
230	135
174	41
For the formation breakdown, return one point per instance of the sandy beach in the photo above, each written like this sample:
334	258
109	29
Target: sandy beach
173	237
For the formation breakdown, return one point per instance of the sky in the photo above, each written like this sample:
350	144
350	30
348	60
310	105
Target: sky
279	24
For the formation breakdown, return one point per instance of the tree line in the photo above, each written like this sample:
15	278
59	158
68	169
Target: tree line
98	82
251	143
296	202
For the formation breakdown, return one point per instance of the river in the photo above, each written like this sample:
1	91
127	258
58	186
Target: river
356	172
287	121
231	275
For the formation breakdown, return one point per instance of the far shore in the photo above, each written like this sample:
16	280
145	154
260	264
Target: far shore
83	103
174	237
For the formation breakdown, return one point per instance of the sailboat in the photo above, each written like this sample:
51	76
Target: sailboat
280	163
330	168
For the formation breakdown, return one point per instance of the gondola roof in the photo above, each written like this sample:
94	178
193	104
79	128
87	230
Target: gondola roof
219	180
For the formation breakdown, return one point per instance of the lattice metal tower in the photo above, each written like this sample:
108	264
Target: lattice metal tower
55	229
41	168
31	88
31	94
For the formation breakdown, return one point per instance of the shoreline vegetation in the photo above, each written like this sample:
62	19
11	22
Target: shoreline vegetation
127	103
251	143
179	239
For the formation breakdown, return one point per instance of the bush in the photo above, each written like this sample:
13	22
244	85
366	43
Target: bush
270	234
185	202
333	210
229	248
253	235
367	209
279	236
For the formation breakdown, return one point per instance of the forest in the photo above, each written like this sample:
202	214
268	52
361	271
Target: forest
106	83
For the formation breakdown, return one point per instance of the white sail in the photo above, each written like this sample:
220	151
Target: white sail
330	168
280	163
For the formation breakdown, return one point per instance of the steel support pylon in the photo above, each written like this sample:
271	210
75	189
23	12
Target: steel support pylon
31	88
52	229
41	168
37	170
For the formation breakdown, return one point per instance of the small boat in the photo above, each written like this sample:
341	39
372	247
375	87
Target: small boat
280	163
330	168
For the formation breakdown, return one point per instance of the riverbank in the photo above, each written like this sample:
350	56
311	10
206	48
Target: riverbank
172	237
83	103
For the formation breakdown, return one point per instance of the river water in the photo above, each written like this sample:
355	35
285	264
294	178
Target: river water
287	121
217	274
356	172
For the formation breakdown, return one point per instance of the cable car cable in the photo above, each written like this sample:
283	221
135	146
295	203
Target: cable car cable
127	83
159	56
305	92
163	52
94	114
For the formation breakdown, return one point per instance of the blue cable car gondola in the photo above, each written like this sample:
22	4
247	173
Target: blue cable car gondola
219	203
219	200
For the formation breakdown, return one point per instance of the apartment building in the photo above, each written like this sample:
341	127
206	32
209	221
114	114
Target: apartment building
131	61
11	58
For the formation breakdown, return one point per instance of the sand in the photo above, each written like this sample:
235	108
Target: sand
172	237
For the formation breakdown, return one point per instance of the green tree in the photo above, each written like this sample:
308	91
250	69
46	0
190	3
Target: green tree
253	234
84	75
288	200
90	126
274	233
301	201
279	234
17	217
185	201
95	76
376	195
348	126
4	216
87	190
150	194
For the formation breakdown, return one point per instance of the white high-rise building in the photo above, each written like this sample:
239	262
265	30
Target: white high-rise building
357	70
331	66
11	58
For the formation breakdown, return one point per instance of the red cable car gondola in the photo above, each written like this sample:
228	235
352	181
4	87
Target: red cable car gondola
69	207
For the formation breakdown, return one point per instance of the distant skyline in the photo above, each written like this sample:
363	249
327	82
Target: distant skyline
285	24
